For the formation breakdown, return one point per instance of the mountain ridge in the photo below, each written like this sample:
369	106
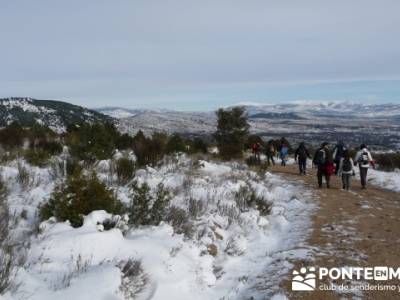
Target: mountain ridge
53	113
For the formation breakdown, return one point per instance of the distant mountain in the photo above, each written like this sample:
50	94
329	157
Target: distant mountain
56	114
375	124
122	112
329	109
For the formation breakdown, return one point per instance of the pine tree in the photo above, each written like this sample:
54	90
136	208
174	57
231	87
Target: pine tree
232	131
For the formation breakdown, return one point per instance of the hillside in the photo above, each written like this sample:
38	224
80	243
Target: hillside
56	114
376	124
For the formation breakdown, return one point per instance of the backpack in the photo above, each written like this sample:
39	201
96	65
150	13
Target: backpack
320	157
364	159
271	149
330	169
284	151
302	153
339	151
347	166
255	148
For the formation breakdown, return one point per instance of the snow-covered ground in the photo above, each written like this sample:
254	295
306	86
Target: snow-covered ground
230	253
387	180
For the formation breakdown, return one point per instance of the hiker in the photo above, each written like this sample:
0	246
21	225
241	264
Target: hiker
364	159
270	153
323	161
256	151
283	153
300	155
346	169
338	153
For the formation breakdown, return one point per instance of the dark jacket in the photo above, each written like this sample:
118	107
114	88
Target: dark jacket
327	157
301	153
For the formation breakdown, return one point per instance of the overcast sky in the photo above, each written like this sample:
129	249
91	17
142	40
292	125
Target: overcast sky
200	54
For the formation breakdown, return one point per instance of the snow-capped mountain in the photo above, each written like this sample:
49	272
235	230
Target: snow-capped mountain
377	124
288	110
325	109
55	114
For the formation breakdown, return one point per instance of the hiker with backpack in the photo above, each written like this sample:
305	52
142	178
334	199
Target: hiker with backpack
256	148
283	153
364	160
270	153
338	154
323	161
300	155
346	169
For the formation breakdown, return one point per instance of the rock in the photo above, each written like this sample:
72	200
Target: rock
212	249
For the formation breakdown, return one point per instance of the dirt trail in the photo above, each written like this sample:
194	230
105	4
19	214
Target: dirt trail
350	228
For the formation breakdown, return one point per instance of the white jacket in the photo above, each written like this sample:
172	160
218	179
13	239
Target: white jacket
359	155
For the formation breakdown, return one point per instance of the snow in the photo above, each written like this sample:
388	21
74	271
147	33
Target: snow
252	251
63	262
387	180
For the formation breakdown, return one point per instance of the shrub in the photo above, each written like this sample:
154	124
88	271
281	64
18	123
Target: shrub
51	147
175	144
39	158
157	145
244	198
23	176
125	170
133	279
7	269
198	145
252	161
125	141
179	220
7	260
149	150
4	212
148	208
92	141
73	166
12	136
80	196
196	208
388	161
80	266
232	131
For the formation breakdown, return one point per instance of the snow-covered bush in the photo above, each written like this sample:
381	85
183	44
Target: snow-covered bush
180	221
7	261
133	279
80	266
24	176
148	207
196	207
79	196
4	213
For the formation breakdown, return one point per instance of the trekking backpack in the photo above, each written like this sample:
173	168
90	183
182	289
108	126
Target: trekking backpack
302	153
320	158
364	159
284	150
340	151
347	166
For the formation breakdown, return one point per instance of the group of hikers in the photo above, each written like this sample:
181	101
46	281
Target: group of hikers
336	162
